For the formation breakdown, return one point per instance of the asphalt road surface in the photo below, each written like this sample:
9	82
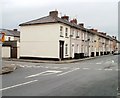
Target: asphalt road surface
96	77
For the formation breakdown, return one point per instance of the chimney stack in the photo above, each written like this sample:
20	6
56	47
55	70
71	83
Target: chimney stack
105	33
81	24
53	13
74	21
14	29
102	33
113	37
95	30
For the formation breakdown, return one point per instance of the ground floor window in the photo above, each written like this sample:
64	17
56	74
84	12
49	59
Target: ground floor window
66	49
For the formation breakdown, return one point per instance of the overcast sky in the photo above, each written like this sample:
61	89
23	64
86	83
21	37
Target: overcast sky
99	14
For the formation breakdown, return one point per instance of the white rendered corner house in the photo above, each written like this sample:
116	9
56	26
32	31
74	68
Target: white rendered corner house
43	39
52	37
48	37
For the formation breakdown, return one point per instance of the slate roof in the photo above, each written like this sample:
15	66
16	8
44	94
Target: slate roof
50	19
10	32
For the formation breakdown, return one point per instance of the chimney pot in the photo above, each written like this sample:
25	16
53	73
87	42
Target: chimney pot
74	21
65	17
81	24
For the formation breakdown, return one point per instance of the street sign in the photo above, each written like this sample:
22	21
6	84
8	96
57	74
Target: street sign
2	37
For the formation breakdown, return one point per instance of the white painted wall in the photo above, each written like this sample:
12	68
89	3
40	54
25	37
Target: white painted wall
39	41
5	52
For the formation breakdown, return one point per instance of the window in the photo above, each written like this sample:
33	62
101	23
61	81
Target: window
73	33
77	34
66	49
66	32
83	36
61	31
77	48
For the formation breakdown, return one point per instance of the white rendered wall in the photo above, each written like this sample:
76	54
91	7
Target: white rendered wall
39	41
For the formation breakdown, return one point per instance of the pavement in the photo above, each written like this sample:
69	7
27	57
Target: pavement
95	77
11	68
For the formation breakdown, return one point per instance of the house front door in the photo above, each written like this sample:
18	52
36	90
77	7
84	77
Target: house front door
13	52
61	53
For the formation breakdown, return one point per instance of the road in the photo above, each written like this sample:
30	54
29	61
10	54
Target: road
96	77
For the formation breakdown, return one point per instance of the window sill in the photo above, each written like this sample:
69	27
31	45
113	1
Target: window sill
66	37
61	36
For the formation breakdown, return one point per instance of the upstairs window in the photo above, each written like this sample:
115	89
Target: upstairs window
83	37
66	32
77	48
61	31
77	34
73	33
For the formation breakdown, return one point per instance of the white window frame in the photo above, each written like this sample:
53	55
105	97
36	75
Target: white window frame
77	34
78	48
66	32
61	31
66	49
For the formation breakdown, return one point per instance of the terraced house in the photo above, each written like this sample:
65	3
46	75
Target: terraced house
10	46
53	37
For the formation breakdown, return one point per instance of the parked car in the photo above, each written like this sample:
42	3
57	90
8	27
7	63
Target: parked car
116	53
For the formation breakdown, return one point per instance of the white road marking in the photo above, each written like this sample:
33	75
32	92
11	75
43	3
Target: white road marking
116	69
117	88
46	67
28	66
64	68
18	85
113	61
21	66
45	72
99	69
12	64
54	67
86	68
68	72
36	66
109	62
98	63
49	73
108	69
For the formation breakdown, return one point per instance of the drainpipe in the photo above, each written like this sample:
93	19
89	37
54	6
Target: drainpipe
87	43
70	43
